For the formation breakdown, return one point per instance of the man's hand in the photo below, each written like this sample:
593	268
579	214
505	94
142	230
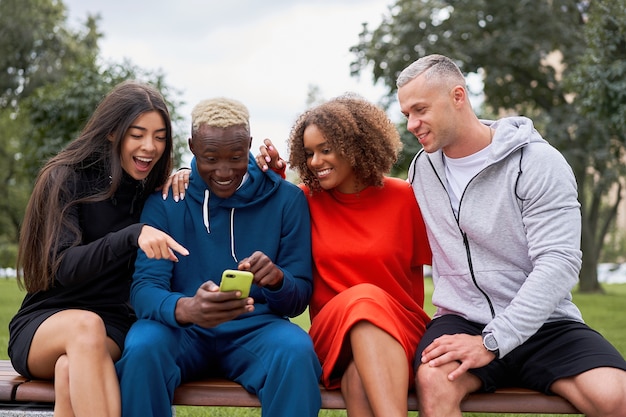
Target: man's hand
210	307
266	273
269	157
467	350
159	245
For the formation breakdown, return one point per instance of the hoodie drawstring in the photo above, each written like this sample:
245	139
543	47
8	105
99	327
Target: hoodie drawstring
232	234
205	211
205	218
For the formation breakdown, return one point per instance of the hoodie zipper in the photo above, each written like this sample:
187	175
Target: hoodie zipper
468	252
466	240
471	267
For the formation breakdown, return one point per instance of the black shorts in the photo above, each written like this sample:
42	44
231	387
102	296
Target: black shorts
558	350
23	327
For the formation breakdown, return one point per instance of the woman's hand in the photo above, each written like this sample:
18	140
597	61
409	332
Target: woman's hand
159	245
179	181
269	158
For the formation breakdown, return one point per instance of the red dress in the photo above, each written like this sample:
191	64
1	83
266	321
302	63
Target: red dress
368	253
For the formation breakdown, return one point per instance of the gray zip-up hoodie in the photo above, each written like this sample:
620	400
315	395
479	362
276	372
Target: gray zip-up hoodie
512	256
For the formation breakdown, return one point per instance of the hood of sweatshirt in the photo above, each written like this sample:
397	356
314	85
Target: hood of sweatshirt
257	186
511	134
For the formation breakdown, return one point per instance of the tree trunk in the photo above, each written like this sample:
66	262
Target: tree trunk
588	282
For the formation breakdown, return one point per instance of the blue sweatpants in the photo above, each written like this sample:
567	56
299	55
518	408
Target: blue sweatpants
270	356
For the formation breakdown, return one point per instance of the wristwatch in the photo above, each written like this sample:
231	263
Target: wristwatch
490	343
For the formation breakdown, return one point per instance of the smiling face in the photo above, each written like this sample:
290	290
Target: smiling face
430	111
330	167
221	157
143	144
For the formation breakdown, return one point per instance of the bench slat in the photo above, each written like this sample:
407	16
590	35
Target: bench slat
9	381
35	391
218	392
214	392
517	401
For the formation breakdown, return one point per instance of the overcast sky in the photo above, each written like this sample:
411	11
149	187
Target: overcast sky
264	53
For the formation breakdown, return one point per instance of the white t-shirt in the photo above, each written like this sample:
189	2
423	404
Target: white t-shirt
459	172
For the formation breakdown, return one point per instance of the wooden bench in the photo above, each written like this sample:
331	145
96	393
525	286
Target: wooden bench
16	390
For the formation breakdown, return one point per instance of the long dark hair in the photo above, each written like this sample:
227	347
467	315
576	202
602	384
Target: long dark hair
98	146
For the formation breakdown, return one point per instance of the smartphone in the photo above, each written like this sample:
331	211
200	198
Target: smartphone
233	280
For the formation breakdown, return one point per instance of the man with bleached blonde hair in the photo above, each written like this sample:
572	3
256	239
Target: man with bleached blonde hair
234	217
219	112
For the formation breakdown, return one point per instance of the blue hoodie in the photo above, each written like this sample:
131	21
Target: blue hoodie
265	214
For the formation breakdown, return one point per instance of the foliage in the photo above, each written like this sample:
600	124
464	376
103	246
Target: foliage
14	187
51	80
526	54
600	86
35	46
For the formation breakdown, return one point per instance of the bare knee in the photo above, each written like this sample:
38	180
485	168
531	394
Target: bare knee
430	379
590	393
89	331
613	400
616	406
617	394
437	395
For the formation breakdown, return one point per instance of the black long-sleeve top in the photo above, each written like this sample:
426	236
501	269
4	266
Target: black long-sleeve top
96	275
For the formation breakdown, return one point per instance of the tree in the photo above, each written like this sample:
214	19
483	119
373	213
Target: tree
524	51
35	46
600	82
50	83
33	50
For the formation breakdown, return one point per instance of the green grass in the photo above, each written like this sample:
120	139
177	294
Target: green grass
603	312
10	300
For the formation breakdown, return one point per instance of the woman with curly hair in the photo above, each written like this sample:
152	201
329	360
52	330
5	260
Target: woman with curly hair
369	247
77	247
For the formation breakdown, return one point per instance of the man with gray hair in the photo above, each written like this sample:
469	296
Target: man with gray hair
503	219
233	216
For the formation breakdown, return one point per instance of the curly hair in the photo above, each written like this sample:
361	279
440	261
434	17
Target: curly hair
358	130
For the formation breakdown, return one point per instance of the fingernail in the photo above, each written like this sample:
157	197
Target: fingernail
164	196
182	196
268	159
176	198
